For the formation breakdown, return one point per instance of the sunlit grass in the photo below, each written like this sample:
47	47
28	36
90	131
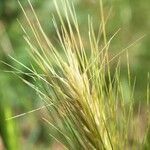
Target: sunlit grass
88	108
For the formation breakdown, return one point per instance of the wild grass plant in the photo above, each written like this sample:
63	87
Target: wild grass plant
85	98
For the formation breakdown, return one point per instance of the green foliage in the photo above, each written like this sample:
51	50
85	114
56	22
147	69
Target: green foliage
8	130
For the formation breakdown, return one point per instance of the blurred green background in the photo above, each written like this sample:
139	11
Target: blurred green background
132	16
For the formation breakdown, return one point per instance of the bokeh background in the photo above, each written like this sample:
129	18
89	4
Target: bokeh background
29	131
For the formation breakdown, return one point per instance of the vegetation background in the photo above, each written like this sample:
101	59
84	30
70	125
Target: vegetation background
29	131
